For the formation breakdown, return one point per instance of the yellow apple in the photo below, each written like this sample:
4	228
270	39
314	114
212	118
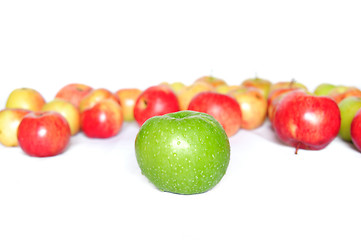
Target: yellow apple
25	98
186	95
67	110
127	98
253	106
95	96
9	122
177	87
263	85
214	81
224	89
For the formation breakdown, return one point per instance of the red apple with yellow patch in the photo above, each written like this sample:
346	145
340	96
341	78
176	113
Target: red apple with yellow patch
25	98
73	92
127	98
95	96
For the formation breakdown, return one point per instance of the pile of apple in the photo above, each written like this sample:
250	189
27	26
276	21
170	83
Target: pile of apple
299	118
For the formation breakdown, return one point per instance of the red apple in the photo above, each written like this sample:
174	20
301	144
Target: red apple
10	119
127	98
103	120
95	96
73	93
253	106
356	130
306	121
223	108
43	134
155	101
25	98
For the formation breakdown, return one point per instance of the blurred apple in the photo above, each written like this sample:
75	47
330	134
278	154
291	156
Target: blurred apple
263	85
43	134
224	89
213	81
155	101
356	130
10	119
290	84
25	98
225	109
127	98
253	106
102	120
342	92
95	96
186	95
177	87
323	89
67	110
73	93
348	108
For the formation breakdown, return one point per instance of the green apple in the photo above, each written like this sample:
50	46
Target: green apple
185	152
348	109
323	89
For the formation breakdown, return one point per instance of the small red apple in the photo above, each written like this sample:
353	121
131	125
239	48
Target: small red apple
306	121
356	130
103	120
43	134
225	109
73	92
155	101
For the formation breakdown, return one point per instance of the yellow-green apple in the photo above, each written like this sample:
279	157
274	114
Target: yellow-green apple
184	152
253	106
263	85
288	84
67	110
225	109
186	95
95	96
103	120
323	89
10	119
348	108
305	121
155	101
213	81
73	92
25	98
127	98
177	87
356	130
340	93
43	134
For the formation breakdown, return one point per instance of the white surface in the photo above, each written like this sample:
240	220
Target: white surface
95	190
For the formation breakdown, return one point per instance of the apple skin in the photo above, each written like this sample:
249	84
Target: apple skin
253	106
10	119
67	110
103	120
73	92
288	84
213	81
356	130
340	93
155	101
348	109
177	87
306	121
43	134
323	89
225	109
184	152
187	93
127	98
25	98
95	96
263	85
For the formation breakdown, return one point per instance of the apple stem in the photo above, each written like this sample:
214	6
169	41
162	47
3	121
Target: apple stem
293	81
297	147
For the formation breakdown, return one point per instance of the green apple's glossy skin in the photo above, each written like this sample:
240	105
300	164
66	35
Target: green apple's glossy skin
348	109
185	152
323	89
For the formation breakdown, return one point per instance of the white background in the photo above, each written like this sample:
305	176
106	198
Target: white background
95	190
